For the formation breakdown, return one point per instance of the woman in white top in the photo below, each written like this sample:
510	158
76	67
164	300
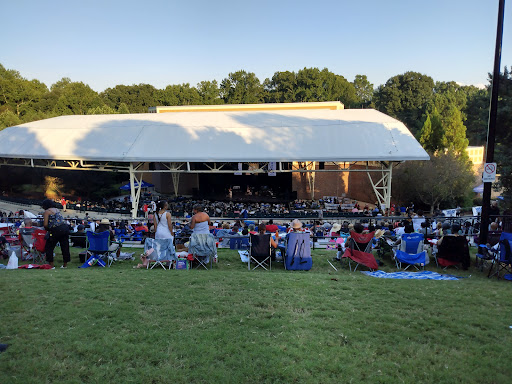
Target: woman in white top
163	223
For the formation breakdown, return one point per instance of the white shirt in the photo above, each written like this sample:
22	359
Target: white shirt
162	228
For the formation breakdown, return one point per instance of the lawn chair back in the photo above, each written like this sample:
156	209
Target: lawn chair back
453	250
298	252
362	241
26	239
98	242
411	251
39	239
412	243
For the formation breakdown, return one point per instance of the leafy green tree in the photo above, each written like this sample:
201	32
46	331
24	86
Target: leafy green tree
316	85
406	97
8	119
432	134
74	98
455	132
282	88
18	94
138	98
209	92
102	110
123	109
477	114
181	94
364	90
241	87
444	180
503	152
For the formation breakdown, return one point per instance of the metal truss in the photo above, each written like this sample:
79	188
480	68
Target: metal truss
381	183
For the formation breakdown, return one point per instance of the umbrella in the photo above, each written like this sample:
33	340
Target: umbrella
126	187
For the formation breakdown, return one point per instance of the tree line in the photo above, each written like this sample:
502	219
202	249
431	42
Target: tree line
444	116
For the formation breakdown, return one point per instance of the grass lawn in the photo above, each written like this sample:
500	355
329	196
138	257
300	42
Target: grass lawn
230	325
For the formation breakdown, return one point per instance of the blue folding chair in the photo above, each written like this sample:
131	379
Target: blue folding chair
411	251
98	248
298	252
503	260
239	243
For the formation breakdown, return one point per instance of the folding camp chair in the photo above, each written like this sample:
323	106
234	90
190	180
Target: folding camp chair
239	243
203	249
39	245
359	250
452	251
27	243
98	247
298	252
503	259
260	251
158	252
411	251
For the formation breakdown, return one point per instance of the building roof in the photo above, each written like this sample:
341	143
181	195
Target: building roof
223	136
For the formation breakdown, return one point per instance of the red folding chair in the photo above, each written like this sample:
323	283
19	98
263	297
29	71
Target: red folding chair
359	251
39	244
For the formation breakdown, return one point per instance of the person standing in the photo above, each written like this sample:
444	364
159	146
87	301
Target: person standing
58	232
163	222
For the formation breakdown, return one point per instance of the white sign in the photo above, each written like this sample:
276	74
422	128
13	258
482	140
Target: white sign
489	175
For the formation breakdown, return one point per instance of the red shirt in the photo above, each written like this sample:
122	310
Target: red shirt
271	228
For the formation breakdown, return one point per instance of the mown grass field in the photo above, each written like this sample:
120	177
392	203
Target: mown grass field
229	325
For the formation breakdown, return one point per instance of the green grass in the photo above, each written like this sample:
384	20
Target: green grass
229	325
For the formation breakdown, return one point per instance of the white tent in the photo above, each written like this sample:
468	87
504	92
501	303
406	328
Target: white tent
300	135
124	142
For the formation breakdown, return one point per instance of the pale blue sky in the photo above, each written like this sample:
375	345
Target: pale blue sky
105	43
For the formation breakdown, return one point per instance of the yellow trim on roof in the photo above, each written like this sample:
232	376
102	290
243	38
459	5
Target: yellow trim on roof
325	105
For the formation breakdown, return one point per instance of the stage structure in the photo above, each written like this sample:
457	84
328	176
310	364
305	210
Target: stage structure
278	138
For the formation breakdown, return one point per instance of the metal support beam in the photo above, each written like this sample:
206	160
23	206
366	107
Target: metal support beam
382	187
135	190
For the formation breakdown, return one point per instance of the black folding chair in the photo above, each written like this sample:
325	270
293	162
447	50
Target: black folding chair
260	251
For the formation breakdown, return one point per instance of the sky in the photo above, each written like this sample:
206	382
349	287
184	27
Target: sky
106	43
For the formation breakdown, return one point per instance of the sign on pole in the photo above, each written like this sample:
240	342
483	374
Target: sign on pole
489	175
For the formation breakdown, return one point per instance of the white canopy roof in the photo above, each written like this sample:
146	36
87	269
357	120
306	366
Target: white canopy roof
260	136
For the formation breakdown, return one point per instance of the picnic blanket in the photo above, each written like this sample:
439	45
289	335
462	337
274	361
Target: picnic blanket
422	275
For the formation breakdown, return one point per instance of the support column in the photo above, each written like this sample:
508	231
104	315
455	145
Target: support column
175	178
382	188
134	190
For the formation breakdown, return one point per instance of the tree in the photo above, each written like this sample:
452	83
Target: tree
503	152
123	109
432	133
74	98
364	90
406	97
241	87
454	132
8	119
209	92
445	179
17	93
138	98
282	88
101	110
181	94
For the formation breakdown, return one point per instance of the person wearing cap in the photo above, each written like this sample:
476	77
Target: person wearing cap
58	232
